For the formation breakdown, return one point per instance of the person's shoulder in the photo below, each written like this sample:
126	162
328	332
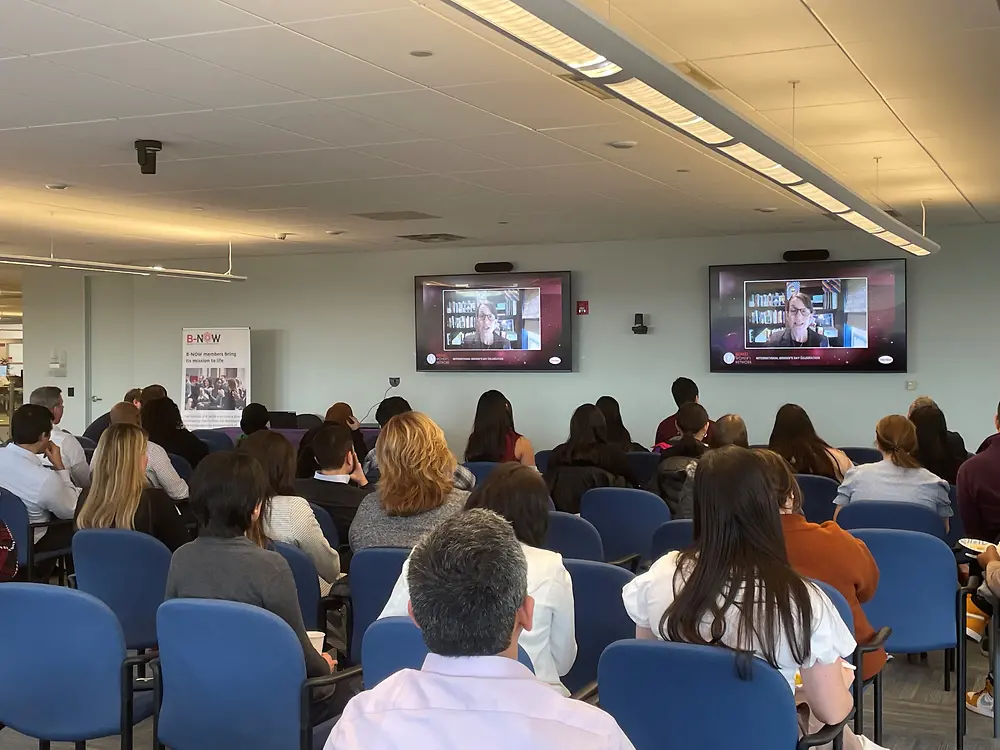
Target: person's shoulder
543	559
775	336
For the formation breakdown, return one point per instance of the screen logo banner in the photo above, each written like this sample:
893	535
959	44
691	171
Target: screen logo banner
216	376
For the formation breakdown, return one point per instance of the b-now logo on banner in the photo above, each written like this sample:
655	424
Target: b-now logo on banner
203	338
216	379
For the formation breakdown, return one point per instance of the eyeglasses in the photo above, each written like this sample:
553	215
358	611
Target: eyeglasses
799	311
486	316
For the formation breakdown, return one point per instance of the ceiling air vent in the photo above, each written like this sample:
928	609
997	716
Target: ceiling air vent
432	239
584	84
396	216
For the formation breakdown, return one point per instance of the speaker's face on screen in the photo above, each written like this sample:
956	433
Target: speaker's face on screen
485	321
800	317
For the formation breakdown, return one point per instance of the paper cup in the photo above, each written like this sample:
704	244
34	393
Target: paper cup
316	638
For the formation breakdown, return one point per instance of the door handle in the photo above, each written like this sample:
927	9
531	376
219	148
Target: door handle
95	399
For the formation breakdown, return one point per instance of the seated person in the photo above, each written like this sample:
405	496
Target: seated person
936	451
254	417
679	459
794	439
493	437
468	589
956	443
162	422
979	490
898	477
618	434
981	701
119	497
695	595
390	407
74	459
339	413
825	552
339	485
729	430
684	391
160	473
415	492
228	490
518	494
797	332
286	517
45	492
585	461
103	422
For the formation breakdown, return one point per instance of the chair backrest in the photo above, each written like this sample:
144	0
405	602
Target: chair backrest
374	572
916	590
395	643
626	519
62	653
306	582
86	443
127	570
818	494
839	602
481	469
542	460
573	537
656	691
860	456
15	515
308	421
672	535
877	514
181	466
214	439
232	675
325	521
643	465
601	618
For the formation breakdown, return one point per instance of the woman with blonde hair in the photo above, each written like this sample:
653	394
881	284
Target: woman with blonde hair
119	497
416	490
898	477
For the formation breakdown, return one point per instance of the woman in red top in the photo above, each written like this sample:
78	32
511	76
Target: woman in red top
493	436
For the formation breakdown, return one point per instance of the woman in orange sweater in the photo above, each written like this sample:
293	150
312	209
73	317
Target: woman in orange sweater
826	553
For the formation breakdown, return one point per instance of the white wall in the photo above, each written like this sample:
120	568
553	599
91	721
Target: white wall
335	327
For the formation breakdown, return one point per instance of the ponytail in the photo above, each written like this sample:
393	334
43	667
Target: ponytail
896	435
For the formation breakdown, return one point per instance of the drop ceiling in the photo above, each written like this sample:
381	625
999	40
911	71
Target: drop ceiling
295	116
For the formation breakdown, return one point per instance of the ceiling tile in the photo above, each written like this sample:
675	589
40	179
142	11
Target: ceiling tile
434	156
525	148
885	20
289	11
859	158
149	19
600	177
164	71
860	122
31	29
285	58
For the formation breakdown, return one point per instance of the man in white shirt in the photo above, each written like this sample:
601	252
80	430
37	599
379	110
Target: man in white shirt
160	473
468	595
75	460
44	491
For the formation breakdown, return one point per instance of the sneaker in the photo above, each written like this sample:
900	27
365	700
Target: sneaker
976	621
867	744
981	702
972	609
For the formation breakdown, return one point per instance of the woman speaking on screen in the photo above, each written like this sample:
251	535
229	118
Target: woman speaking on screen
487	334
798	318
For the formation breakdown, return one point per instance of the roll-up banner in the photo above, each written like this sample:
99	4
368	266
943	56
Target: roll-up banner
216	376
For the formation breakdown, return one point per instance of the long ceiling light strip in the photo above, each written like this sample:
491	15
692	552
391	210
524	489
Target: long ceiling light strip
532	30
760	163
862	222
92	266
822	199
654	102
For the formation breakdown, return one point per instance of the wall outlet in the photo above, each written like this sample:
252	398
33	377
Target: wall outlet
911	385
394	382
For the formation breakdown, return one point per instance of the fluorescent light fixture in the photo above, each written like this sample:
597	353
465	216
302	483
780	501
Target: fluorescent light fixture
916	249
535	32
94	266
893	239
10	262
824	200
197	278
861	222
760	163
103	270
669	111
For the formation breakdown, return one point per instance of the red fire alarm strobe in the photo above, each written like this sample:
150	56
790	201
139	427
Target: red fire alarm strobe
583	307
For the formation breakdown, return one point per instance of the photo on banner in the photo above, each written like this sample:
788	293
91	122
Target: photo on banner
216	367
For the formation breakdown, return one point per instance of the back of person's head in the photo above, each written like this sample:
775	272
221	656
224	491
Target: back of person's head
618	434
519	494
920	401
794	438
896	436
331	444
160	417
227	488
124	412
417	468
468	578
48	396
132	395
730	429
29	424
339	413
739	546
784	486
692	418
254	418
276	456
587	426
389	408
118	477
684	391
152	393
932	451
491	428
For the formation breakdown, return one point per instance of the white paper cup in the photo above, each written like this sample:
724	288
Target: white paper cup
316	638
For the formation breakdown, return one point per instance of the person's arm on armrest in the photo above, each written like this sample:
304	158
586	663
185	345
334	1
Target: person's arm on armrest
523	451
280	598
312	541
165	476
58	494
828	698
844	493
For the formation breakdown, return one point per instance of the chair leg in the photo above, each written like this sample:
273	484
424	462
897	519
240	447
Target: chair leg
877	699
948	656
44	745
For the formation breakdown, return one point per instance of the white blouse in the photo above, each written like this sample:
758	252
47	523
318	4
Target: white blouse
551	642
648	596
291	520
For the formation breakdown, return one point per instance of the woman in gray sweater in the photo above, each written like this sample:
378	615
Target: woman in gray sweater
416	489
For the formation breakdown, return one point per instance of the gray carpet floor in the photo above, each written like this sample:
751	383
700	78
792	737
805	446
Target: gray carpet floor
919	714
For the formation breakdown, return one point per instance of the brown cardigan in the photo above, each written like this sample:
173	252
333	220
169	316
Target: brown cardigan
828	553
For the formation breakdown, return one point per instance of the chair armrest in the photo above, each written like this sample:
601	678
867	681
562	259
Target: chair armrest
71	580
629	561
829	733
585	693
53	522
305	725
878	641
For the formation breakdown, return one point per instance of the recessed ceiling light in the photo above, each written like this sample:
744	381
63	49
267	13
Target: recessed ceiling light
197	208
623	144
422	53
766	209
56	186
683	171
335	232
501	222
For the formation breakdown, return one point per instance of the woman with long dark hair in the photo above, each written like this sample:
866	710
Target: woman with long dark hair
935	451
699	595
493	436
161	419
794	439
618	434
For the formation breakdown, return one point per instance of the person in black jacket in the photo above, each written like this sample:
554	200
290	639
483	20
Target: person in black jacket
161	419
679	457
618	434
585	461
937	450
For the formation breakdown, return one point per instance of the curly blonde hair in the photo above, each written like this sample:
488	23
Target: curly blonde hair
417	468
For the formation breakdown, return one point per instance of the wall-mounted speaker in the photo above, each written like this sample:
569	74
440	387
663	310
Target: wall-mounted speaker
803	256
502	266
